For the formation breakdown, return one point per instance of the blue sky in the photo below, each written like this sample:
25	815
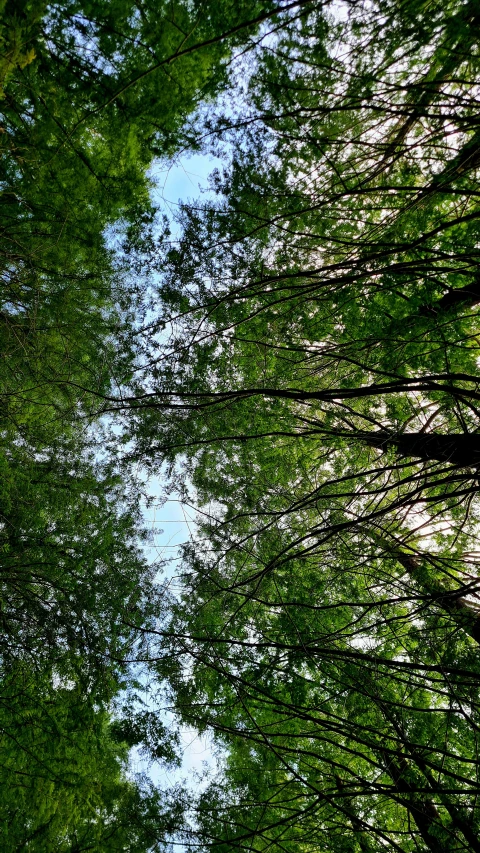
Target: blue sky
171	522
183	179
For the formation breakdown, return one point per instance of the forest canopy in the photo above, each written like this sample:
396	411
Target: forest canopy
296	355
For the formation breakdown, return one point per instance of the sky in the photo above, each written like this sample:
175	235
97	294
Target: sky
186	178
171	522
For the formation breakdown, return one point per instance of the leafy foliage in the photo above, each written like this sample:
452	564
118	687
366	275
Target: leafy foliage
307	368
64	783
90	93
317	399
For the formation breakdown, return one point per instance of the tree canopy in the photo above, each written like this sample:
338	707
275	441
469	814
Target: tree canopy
299	351
316	399
90	93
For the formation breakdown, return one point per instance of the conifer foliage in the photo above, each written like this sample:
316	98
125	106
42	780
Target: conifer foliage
90	93
319	396
301	355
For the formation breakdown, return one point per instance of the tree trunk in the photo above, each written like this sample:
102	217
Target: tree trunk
452	601
461	449
459	821
467	296
422	810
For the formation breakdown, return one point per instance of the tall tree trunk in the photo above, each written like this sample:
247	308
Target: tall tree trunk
451	601
459	820
410	755
468	296
422	810
462	449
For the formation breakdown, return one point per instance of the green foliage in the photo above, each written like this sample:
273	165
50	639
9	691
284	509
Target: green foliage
17	27
317	400
307	368
64	783
90	93
74	580
110	87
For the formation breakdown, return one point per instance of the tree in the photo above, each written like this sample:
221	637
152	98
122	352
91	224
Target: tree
276	340
340	712
90	94
74	579
100	91
317	401
65	780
